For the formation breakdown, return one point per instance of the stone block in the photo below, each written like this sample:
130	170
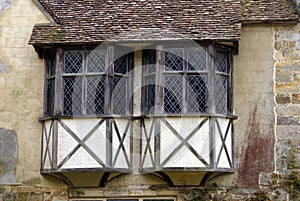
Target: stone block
289	109
288	120
297	76
283	99
296	98
285	88
284	76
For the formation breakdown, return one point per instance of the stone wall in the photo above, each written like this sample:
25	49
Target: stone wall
287	76
253	104
21	87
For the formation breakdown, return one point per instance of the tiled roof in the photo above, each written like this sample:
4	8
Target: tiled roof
268	10
93	21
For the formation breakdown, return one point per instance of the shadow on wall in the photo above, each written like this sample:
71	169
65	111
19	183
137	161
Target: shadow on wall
8	156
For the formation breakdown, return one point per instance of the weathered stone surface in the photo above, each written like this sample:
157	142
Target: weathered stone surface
284	76
296	98
283	151
287	109
4	4
8	156
288	120
3	68
283	99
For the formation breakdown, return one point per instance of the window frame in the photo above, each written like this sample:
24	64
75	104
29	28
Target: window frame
58	55
210	71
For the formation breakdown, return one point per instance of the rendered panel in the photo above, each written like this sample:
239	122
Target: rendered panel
168	142
223	162
97	142
81	127
185	157
118	151
66	143
200	141
150	150
81	159
48	135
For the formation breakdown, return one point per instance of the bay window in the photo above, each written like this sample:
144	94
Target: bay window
185	119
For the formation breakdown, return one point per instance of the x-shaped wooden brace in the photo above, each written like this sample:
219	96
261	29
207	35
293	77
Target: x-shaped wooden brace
148	139
121	140
223	142
184	142
47	138
81	143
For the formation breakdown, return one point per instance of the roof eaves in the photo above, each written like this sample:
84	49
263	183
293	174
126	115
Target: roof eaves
270	21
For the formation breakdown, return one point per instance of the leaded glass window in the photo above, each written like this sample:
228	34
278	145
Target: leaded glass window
194	79
50	82
86	84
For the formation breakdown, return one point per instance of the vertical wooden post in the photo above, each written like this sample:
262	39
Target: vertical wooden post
159	95
57	102
58	82
108	103
109	81
54	143
211	104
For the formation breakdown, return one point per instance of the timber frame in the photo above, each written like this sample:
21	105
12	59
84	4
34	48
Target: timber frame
106	142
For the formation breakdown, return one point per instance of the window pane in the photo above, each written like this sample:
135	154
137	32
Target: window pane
120	95
172	94
196	58
150	94
197	93
96	61
151	61
50	97
222	61
72	96
221	94
50	63
95	95
73	61
121	62
174	59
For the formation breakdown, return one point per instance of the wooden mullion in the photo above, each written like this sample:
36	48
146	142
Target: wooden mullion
109	81
54	144
230	84
184	83
144	89
58	91
211	104
211	79
159	92
158	108
129	76
47	58
84	84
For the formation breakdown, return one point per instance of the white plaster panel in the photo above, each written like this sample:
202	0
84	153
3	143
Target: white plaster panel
97	142
66	143
81	127
121	158
46	133
223	162
81	159
150	132
184	157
